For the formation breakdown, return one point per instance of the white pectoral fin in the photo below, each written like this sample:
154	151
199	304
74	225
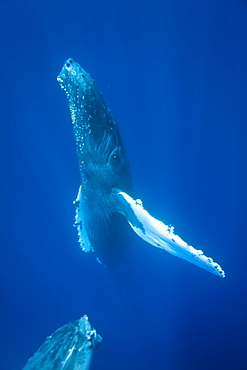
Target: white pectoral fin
160	235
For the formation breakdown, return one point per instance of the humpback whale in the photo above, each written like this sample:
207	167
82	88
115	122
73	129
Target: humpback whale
105	195
69	347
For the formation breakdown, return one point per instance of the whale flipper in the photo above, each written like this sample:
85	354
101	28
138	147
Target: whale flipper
70	347
160	235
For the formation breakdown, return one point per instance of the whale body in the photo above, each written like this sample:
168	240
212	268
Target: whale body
103	166
105	196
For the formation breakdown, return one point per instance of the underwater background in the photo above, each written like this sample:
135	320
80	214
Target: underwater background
174	74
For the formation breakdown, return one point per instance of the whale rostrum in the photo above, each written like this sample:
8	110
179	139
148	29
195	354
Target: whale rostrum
105	196
70	347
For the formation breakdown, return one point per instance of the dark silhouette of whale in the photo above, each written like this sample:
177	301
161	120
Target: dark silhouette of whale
105	194
70	347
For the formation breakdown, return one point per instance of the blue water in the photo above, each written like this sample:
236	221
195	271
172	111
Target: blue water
174	74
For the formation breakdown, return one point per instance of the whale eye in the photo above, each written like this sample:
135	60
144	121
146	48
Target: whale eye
115	158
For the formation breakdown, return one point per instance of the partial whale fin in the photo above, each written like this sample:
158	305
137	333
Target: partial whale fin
158	234
80	223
